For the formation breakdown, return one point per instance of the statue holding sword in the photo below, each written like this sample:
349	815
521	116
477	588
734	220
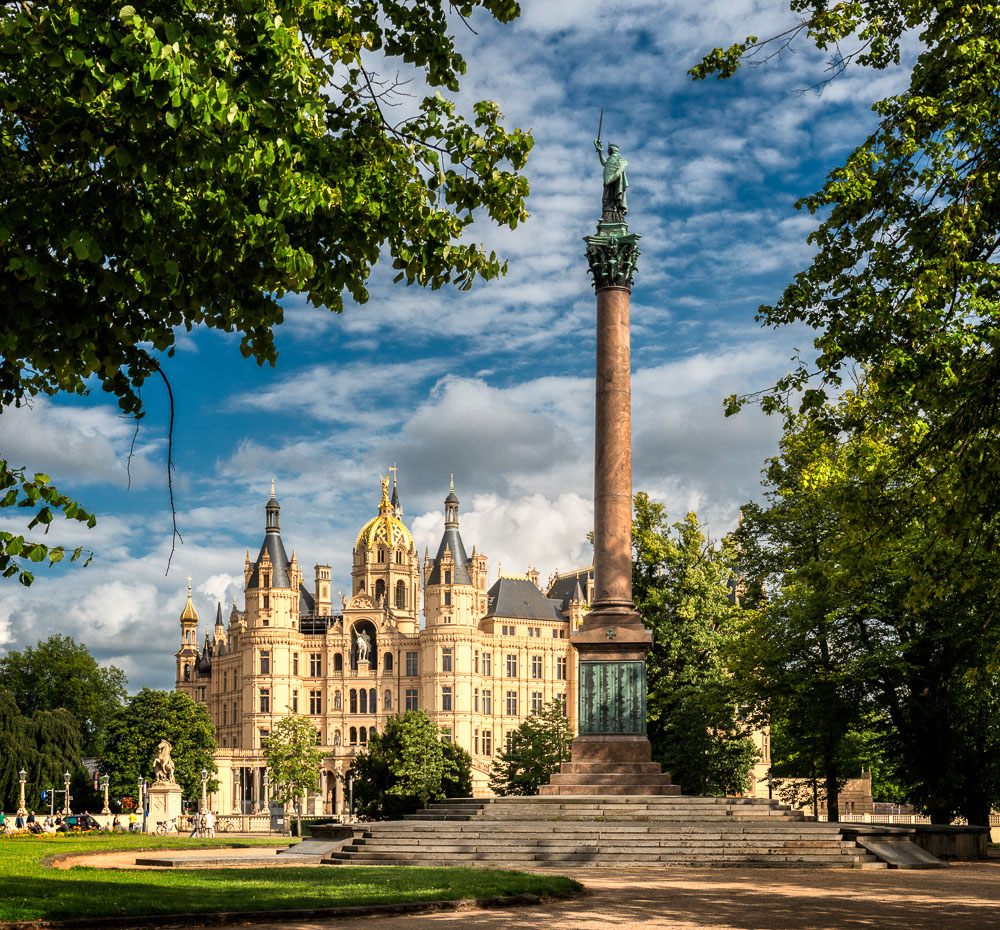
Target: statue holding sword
614	204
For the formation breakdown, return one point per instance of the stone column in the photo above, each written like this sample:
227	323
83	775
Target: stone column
611	754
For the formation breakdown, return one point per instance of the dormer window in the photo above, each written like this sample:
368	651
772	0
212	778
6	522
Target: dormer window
266	580
447	576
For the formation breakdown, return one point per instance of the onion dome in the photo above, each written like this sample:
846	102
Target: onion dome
386	528
189	614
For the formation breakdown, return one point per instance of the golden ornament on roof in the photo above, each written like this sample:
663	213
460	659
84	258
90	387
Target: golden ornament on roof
385	529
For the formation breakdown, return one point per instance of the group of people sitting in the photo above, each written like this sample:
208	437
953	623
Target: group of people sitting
51	824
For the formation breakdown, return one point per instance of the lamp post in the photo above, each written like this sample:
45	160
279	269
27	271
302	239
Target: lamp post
204	799
267	799
66	809
142	804
104	784
350	796
22	811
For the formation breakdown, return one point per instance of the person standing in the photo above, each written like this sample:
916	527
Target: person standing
210	823
196	825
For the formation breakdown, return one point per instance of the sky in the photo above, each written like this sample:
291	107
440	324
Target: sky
493	385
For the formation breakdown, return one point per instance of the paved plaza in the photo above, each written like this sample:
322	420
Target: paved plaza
966	895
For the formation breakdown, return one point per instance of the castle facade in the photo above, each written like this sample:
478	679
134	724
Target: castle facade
483	659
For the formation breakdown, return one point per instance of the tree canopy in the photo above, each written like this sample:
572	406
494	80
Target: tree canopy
407	766
683	589
293	759
135	734
533	752
188	163
903	289
59	672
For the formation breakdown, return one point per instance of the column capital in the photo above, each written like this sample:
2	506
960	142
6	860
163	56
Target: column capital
612	254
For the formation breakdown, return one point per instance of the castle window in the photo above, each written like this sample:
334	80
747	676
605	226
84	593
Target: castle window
373	701
536	701
225	714
447	576
264	734
561	669
319	737
400	594
536	666
223	742
511	665
187	672
475	661
225	681
266	603
295	701
487	742
387	702
447	619
411	699
265	661
387	662
363	694
446	734
447	598
512	703
363	734
381	555
353	736
487	664
446	660
379	590
475	743
315	664
411	664
266	583
353	697
475	700
338	662
295	663
315	702
336	700
561	698
399	557
265	700
487	701
446	697
555	634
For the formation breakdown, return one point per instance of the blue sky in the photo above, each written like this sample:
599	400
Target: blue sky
493	385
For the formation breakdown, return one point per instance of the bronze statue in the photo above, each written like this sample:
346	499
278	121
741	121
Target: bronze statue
614	203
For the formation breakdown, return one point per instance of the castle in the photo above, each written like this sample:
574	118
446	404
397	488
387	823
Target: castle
485	658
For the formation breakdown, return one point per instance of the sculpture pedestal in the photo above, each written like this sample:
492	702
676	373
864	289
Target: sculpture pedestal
164	804
611	755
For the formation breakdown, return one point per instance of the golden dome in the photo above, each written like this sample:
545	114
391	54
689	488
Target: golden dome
386	528
189	613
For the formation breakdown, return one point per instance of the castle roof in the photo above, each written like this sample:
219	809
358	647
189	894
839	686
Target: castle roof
570	586
274	548
519	599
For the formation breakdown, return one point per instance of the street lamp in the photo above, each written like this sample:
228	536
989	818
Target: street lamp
204	783
66	809
350	795
104	784
22	811
267	799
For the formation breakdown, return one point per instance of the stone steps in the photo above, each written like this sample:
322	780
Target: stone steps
607	830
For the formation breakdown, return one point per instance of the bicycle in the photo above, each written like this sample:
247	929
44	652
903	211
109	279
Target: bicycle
163	827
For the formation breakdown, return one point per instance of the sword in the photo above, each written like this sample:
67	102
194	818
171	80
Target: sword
600	124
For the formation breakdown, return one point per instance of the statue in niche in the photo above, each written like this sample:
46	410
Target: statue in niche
614	204
336	738
364	646
380	600
163	765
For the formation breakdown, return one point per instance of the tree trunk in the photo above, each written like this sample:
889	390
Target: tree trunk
832	793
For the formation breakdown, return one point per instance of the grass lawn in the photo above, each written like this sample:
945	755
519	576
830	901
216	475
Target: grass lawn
28	891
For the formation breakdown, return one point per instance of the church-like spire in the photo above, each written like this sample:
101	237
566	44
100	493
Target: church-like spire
189	614
397	509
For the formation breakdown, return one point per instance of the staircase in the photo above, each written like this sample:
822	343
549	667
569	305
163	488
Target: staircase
591	831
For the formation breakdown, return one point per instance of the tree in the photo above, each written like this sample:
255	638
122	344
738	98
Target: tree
681	585
293	759
406	767
44	745
60	672
904	284
534	751
189	162
135	734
